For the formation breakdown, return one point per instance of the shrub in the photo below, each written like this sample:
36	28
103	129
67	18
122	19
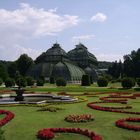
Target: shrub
102	82
128	83
21	82
1	81
85	80
30	81
61	82
138	82
52	80
40	82
91	79
9	82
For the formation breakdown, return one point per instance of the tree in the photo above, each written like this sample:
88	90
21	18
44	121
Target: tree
1	81
61	82
102	82
128	82
24	63
116	70
85	80
3	71
9	82
12	69
21	82
30	81
132	64
52	80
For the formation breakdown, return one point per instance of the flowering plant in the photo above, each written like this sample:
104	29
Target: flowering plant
49	133
121	123
79	118
9	116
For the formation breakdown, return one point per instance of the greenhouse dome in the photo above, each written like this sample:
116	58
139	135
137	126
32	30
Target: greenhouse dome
55	63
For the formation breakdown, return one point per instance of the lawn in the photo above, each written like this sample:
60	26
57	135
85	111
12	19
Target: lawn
28	121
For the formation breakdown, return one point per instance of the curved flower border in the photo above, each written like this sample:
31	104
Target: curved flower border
9	116
111	109
48	133
121	123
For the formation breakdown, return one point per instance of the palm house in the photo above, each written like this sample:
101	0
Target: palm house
55	63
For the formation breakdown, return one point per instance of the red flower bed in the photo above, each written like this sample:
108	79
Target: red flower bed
9	116
111	109
79	118
136	95
47	134
106	99
121	123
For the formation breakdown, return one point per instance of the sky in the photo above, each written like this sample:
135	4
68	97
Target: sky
108	28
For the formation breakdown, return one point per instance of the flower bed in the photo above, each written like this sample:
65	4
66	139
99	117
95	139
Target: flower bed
136	95
79	118
9	116
47	134
111	109
121	123
106	99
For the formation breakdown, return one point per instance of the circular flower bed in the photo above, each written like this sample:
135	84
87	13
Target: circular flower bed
9	116
47	134
79	118
121	123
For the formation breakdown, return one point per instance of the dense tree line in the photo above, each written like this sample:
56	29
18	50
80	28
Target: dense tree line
17	68
129	68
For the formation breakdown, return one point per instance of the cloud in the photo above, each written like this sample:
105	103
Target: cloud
83	37
25	23
99	17
12	53
109	57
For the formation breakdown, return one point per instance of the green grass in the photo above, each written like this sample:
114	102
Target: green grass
115	87
28	121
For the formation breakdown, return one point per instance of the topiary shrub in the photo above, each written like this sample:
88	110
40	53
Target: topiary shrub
128	83
40	82
61	82
52	80
9	82
85	80
138	82
30	81
91	79
1	81
21	82
102	82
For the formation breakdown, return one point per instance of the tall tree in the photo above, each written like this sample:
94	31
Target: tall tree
12	68
3	71
132	64
24	62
